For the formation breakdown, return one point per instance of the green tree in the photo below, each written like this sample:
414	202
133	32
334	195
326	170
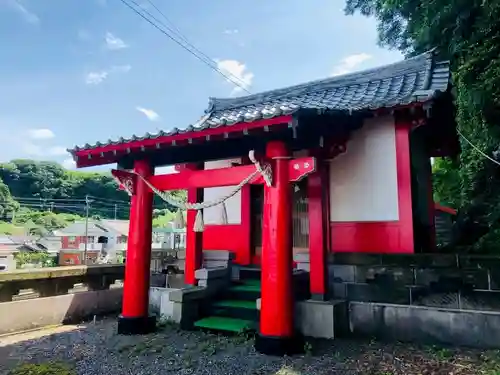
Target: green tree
48	180
8	206
467	32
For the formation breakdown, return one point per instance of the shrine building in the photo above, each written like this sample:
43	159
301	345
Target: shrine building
336	165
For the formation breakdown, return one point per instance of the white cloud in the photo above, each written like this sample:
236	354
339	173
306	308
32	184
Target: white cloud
231	31
69	163
238	73
350	63
41	134
57	151
98	77
114	43
29	16
149	113
95	78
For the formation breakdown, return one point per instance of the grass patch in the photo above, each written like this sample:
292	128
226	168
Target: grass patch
8	228
490	363
48	368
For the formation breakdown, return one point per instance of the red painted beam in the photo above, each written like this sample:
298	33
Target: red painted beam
297	169
112	153
204	178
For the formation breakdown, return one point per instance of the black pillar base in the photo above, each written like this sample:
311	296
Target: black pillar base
141	325
279	346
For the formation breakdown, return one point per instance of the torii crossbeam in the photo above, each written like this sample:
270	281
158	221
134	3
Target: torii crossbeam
276	323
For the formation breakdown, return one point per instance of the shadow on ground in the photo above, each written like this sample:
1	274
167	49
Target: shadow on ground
95	348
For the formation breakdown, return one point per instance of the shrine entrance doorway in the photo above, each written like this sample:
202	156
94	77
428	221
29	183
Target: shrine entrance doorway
300	219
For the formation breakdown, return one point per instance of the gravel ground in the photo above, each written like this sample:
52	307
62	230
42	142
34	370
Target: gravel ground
96	349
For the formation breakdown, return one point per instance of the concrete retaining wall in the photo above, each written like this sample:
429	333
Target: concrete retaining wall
425	324
69	308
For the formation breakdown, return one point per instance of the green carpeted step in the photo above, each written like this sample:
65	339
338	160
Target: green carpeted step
251	282
246	288
240	304
219	323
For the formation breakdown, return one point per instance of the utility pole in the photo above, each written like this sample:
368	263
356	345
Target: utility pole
87	209
116	210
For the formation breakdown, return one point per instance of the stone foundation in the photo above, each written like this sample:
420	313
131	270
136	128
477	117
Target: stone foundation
185	305
423	324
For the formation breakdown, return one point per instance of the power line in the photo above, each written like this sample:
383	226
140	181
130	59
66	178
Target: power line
49	199
210	65
175	30
477	148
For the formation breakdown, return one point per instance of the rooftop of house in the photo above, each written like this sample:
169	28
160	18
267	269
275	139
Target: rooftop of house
95	228
9	244
415	80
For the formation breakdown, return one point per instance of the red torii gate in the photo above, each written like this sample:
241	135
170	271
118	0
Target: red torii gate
276	322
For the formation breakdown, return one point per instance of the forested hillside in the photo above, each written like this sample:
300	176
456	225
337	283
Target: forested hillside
33	183
48	195
466	32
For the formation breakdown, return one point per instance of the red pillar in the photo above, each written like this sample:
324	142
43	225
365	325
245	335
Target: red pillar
194	240
317	190
403	166
276	315
135	318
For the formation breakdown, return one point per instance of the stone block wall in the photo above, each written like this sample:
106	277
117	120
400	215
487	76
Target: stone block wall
449	281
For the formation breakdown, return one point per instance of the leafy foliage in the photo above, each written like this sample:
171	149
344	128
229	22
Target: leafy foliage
467	32
48	180
42	258
29	179
7	204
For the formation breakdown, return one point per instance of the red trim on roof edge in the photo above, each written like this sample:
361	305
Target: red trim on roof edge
448	210
98	157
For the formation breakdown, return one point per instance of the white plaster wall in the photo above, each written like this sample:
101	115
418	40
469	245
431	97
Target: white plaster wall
212	216
363	180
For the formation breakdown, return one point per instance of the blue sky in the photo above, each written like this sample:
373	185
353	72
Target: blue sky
77	71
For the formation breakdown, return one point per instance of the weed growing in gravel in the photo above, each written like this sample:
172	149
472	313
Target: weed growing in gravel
441	353
166	322
308	348
48	368
490	363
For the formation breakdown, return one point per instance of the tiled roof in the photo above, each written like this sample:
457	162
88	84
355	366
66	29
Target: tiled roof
417	79
95	228
119	226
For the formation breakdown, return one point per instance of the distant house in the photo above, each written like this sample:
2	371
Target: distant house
8	247
110	237
100	238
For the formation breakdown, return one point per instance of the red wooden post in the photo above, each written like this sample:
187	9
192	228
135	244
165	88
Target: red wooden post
317	189
194	240
276	315
406	242
135	318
